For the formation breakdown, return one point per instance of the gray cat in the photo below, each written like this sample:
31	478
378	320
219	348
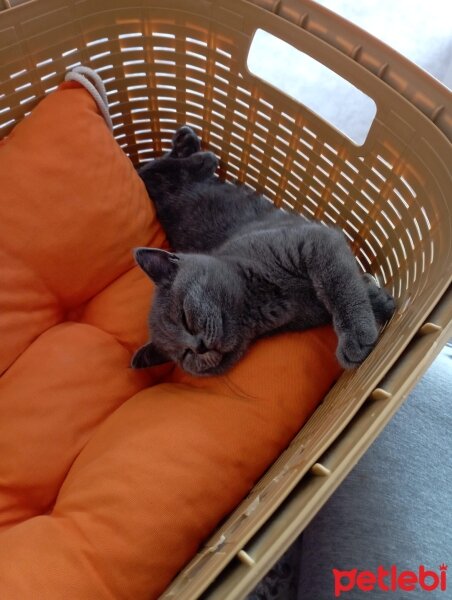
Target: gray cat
243	269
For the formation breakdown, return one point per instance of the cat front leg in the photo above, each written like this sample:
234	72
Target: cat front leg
185	143
339	285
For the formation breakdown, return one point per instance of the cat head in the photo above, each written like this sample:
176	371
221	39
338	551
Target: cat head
196	312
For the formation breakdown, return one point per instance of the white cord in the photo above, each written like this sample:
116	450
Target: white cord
92	82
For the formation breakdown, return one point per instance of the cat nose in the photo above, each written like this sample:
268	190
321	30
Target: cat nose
201	348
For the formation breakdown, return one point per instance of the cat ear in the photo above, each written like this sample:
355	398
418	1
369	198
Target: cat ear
157	264
147	356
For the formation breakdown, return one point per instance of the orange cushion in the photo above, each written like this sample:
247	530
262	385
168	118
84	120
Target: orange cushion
110	480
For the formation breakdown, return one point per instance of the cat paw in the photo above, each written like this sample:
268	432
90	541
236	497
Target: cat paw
185	142
356	343
383	304
204	164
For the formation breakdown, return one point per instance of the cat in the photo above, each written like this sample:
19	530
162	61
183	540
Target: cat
241	269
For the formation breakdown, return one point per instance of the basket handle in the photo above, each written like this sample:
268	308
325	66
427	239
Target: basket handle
318	87
423	91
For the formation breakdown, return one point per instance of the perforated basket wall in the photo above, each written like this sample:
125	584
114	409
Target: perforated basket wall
168	62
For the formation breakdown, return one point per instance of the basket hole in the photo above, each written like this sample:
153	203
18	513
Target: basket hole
314	202
259	138
193	115
194	80
223	53
161	34
285	129
382	229
22	87
299	165
104	68
401	198
307	144
222	66
418	229
282	140
196	41
426	217
366	196
138	61
403	249
385	162
388	219
96	42
7	123
42	63
76	64
243	90
330	148
361	206
131	49
345	176
350	237
410	239
156	48
396	257
341	187
357	217
338	198
371	248
394	208
326	159
48	76
222	79
195	68
373	186
319	181
352	226
378	174
313	84
372	233
408	186
125	36
224	94
361	250
351	166
330	217
195	55
25	100
100	55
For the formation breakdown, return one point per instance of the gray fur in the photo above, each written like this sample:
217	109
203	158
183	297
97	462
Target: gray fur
242	269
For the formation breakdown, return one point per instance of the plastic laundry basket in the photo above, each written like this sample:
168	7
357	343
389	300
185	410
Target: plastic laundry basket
167	62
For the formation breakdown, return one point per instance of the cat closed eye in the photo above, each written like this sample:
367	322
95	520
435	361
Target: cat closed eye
185	323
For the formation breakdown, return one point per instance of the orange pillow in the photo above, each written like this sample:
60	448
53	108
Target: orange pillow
111	480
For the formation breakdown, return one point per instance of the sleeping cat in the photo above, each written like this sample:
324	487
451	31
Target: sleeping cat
242	269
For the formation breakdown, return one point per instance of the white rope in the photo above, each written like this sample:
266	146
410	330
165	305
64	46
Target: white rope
92	82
